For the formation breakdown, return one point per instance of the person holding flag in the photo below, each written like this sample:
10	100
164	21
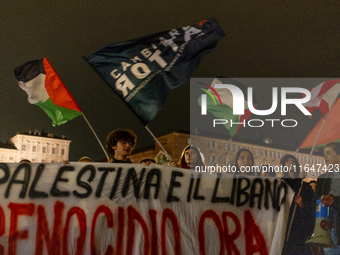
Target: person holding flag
328	185
300	223
325	98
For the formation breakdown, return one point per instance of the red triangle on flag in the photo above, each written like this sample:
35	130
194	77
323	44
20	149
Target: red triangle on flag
330	131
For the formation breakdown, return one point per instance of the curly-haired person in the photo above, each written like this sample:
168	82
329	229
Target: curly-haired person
119	145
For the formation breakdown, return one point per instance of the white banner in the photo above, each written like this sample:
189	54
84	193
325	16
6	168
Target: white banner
104	208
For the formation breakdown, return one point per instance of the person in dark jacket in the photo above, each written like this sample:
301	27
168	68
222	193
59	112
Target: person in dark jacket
302	225
328	185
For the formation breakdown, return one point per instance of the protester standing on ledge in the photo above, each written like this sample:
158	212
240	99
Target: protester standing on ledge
304	217
119	145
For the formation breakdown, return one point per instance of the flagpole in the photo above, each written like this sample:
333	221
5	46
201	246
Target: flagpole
317	137
222	151
88	123
154	137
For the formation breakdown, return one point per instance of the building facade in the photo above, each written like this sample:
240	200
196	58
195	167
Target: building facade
38	147
8	153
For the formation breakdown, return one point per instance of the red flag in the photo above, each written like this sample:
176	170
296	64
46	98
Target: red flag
323	96
330	131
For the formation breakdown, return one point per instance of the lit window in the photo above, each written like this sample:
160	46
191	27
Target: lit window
213	144
212	159
227	161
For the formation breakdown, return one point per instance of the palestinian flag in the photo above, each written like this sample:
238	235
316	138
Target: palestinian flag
323	96
219	103
330	130
45	89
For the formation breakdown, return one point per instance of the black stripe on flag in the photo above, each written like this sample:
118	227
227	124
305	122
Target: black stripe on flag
29	70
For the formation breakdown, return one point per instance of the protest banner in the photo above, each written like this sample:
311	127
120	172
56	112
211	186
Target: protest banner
103	208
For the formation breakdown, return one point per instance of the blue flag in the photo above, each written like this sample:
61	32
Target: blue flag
143	71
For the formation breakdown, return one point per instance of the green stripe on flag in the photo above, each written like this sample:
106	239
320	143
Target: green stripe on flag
207	91
59	115
222	112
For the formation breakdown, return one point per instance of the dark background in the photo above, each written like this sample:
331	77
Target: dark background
263	39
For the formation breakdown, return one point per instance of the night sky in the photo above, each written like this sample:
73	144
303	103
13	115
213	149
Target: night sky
263	39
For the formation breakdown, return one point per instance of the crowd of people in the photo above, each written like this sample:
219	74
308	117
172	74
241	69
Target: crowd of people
301	221
300	227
